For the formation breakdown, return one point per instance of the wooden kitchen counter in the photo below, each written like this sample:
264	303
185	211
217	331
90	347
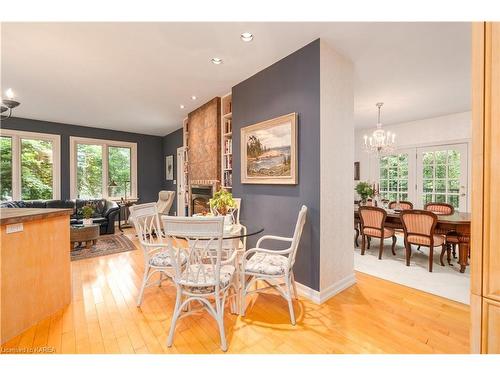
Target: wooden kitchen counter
35	266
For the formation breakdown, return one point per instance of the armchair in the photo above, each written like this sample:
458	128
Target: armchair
269	265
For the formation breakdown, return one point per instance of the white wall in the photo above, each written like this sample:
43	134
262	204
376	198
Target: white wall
337	158
447	129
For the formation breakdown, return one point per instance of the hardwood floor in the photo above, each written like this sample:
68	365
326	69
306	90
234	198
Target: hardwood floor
374	316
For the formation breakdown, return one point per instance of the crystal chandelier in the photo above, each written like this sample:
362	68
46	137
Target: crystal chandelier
380	142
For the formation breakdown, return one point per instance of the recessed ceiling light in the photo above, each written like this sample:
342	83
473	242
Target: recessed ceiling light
246	37
216	60
182	106
193	97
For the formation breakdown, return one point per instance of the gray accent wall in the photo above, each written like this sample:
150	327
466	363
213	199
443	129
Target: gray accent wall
290	85
171	142
150	166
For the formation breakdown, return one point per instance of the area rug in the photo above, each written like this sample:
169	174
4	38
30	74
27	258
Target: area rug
444	281
106	244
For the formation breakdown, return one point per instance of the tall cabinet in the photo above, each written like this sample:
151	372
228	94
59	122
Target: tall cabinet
485	241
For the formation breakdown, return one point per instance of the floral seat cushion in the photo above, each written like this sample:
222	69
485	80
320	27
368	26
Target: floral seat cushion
162	259
267	264
203	280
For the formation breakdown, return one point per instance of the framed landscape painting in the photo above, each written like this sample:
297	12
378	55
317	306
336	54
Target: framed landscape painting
269	151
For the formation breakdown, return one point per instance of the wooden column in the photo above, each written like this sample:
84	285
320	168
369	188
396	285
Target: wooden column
485	241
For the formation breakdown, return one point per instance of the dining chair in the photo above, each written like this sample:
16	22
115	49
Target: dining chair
440	208
236	219
403	205
357	224
156	257
272	265
201	275
419	229
373	225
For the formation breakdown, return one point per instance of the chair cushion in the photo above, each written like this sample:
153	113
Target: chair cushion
162	259
372	232
267	264
192	278
422	240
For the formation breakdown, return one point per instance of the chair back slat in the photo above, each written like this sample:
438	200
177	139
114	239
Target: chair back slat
199	241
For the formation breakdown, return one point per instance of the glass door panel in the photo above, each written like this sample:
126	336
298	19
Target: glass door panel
442	175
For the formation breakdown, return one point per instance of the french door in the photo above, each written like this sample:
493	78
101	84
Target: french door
442	175
426	174
397	175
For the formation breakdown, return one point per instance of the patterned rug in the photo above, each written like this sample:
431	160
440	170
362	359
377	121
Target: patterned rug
106	244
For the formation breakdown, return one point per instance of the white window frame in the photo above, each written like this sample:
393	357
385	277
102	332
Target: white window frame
74	141
16	136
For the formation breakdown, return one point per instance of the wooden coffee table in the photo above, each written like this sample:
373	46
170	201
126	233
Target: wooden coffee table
80	234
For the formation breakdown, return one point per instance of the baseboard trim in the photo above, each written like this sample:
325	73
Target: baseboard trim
327	293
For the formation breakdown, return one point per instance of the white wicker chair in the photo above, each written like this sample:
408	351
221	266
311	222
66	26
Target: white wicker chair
271	265
236	219
205	276
156	257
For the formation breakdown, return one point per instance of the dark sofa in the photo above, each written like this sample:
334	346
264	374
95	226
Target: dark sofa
105	212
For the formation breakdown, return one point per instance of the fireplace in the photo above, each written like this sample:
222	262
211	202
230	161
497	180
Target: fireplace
200	195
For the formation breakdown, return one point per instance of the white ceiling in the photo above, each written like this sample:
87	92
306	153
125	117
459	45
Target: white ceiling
134	76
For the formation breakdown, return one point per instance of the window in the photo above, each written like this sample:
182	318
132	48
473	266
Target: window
103	169
6	168
443	175
394	177
29	165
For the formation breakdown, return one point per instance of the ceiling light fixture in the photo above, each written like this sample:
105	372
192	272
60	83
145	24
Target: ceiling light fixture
182	106
380	142
246	37
216	60
8	104
193	97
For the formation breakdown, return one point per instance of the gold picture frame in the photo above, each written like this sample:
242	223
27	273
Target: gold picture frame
269	152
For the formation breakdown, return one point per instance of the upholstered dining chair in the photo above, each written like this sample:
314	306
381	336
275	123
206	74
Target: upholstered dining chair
272	265
419	227
440	208
403	205
373	225
165	201
156	257
201	275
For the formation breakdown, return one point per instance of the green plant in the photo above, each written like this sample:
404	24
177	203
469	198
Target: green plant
364	190
87	211
222	201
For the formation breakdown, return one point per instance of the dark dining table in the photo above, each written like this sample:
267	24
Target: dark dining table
455	226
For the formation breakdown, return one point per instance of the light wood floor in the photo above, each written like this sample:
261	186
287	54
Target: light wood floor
374	316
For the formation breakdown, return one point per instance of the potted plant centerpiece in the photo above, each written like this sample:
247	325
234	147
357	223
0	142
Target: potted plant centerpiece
87	211
364	190
222	203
